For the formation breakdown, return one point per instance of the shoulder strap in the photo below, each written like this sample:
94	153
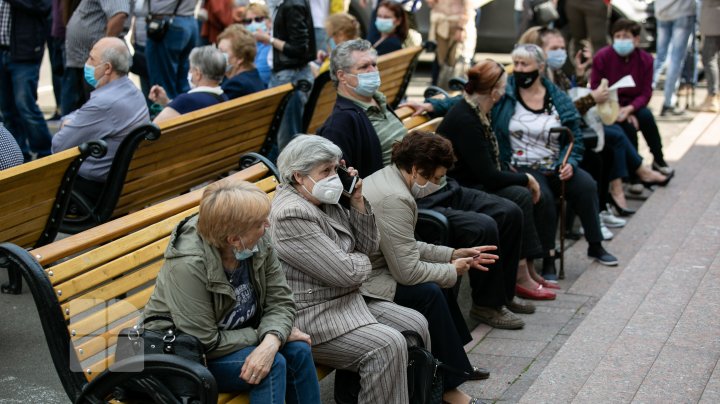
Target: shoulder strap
177	6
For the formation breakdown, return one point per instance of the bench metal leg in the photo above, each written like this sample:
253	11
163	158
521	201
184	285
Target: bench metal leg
14	286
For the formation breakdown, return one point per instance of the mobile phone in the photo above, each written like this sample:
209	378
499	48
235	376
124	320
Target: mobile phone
347	180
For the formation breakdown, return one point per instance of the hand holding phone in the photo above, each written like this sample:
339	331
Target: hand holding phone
347	180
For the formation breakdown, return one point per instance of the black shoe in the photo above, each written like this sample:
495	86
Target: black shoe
672	111
599	254
619	209
668	177
479	373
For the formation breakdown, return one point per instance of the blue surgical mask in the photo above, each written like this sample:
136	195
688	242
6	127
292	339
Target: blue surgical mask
623	47
89	72
332	43
245	253
384	25
368	83
254	27
228	66
556	58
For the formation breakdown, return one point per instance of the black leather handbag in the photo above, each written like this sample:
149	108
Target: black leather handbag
424	373
139	341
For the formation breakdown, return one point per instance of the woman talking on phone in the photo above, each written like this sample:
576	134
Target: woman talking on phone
323	247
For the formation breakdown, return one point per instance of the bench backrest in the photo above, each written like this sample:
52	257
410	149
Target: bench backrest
191	149
396	69
34	195
86	299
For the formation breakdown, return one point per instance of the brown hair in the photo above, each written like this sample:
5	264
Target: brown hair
242	43
424	150
483	77
402	29
624	24
230	207
344	24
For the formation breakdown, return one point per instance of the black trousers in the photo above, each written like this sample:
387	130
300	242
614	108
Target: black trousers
521	196
478	218
581	194
448	331
650	132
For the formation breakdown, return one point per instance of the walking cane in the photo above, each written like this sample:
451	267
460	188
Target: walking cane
571	144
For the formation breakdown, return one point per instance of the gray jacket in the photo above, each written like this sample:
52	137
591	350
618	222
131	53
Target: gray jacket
667	10
324	252
710	18
401	259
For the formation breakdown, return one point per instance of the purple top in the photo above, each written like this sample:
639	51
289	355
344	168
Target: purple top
58	25
639	64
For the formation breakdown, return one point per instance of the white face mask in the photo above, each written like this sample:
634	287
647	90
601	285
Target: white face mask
327	190
190	81
421	191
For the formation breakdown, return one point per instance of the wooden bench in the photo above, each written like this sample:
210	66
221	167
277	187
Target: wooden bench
396	70
85	299
33	199
155	163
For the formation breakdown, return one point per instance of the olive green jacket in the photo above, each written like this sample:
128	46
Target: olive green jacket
193	289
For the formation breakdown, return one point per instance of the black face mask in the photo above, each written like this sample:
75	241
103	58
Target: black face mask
526	79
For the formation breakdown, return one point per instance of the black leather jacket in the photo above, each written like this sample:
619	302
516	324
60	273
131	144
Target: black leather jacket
29	27
294	25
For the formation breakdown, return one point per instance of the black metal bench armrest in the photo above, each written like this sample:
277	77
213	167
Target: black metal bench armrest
250	159
432	91
432	227
457	83
126	370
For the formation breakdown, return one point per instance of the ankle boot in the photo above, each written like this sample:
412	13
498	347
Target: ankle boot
711	104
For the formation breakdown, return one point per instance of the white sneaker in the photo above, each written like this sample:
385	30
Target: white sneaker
606	233
610	220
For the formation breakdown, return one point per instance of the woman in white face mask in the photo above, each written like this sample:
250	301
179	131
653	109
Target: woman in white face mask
323	247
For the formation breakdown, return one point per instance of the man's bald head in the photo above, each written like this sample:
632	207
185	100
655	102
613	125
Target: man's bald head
114	51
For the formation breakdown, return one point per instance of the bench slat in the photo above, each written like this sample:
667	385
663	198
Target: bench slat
113	269
103	341
91	324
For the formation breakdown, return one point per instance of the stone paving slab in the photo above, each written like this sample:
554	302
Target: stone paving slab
608	356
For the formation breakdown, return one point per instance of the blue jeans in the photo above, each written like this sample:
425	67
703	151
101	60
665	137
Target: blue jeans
168	60
291	124
674	35
18	106
626	159
292	378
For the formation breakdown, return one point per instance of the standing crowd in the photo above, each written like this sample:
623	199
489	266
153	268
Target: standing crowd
332	275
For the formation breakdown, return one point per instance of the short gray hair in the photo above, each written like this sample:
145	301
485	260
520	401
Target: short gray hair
304	153
210	61
119	58
529	51
341	57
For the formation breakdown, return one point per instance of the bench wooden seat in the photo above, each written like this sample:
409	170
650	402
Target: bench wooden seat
89	286
155	163
396	69
34	196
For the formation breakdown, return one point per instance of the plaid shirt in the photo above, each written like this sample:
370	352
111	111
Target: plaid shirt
5	18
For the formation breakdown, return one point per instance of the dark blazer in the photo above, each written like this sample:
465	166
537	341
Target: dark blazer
28	29
245	83
349	127
475	166
390	44
294	25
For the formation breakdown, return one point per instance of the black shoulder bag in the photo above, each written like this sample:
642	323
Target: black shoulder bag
140	341
157	26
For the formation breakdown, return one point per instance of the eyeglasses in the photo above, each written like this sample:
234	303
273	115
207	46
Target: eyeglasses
502	71
248	21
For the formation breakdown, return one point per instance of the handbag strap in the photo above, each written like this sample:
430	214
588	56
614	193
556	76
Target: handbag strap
411	334
177	6
159	317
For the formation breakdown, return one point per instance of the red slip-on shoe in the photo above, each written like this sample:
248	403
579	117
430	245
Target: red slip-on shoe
538	294
549	285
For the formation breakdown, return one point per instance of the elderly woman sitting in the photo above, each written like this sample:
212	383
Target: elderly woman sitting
241	76
323	247
222	283
417	274
207	69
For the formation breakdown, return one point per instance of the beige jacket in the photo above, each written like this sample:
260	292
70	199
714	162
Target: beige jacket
401	259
